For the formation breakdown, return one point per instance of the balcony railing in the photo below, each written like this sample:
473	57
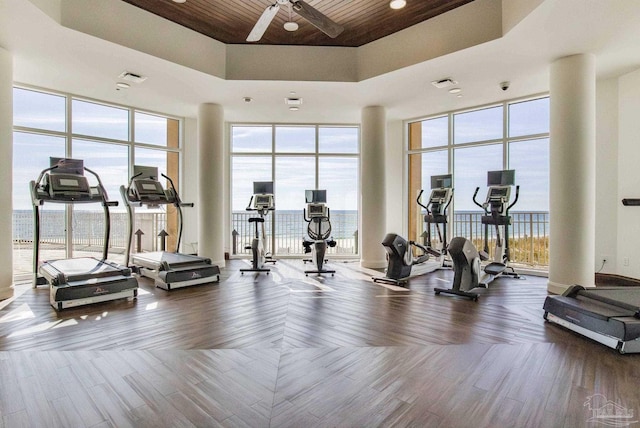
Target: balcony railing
285	231
529	241
528	235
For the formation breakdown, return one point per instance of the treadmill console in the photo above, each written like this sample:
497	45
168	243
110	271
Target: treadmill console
149	190
65	182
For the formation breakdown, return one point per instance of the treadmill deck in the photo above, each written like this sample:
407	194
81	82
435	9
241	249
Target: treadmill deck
85	280
155	259
605	314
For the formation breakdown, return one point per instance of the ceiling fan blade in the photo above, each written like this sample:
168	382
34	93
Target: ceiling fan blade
263	23
318	19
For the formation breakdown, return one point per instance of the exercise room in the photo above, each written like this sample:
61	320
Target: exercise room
327	213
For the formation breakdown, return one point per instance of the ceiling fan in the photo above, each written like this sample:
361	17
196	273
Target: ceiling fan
316	18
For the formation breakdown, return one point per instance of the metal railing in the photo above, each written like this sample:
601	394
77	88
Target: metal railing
285	230
88	228
528	235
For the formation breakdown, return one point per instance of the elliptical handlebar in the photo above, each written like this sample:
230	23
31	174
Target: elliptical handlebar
450	199
475	201
419	202
515	200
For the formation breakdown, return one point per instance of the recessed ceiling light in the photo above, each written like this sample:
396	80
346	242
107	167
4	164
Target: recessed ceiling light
247	99
294	108
397	4
455	90
122	85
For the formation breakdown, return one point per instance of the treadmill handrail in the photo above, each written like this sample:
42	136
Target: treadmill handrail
42	173
178	204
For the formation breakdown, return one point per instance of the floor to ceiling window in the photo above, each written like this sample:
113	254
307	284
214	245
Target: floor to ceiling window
468	144
110	139
296	158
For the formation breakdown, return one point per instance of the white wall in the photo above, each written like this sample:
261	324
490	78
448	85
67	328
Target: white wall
628	174
607	202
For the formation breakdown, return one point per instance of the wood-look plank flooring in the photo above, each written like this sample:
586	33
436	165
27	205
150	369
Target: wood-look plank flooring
286	350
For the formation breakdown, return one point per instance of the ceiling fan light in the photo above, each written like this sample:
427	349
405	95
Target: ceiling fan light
291	26
397	4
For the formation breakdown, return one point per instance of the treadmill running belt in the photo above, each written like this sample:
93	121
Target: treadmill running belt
153	260
81	269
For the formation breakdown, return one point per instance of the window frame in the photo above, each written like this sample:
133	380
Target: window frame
410	219
273	153
68	135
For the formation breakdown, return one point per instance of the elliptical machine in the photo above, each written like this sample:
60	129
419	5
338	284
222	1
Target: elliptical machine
465	256
400	259
436	208
318	229
496	213
400	252
262	201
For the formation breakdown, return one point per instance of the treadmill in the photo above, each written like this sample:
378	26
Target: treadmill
609	315
83	280
169	270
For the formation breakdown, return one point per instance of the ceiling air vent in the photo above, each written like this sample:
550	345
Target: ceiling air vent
293	101
132	77
444	83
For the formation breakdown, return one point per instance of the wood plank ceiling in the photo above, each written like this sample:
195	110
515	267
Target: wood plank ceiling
230	21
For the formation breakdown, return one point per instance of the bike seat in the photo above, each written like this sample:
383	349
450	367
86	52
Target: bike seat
256	220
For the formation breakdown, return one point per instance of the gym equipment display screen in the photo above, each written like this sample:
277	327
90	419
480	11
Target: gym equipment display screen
315	196
441	181
501	178
263	187
67	166
145	172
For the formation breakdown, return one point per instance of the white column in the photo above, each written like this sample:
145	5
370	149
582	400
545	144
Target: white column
572	190
6	173
372	183
211	183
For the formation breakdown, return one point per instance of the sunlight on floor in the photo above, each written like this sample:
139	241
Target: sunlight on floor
22	312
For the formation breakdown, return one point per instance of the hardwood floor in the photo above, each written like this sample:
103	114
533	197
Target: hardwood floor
286	350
